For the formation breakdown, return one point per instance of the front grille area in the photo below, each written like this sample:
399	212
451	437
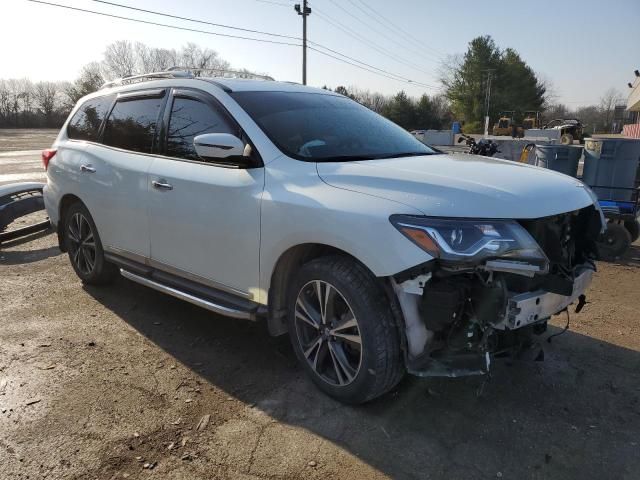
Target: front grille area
567	239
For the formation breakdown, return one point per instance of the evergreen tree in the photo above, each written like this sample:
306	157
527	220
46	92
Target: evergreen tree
514	85
401	110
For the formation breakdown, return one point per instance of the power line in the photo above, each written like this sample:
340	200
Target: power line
288	5
163	14
148	22
368	43
399	77
379	71
358	37
399	29
371	27
189	19
411	82
386	25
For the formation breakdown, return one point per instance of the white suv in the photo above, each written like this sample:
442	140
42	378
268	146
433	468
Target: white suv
273	201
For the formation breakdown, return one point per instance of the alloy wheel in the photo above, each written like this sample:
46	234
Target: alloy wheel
82	245
328	333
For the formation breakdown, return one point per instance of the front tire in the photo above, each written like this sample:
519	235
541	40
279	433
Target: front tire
633	227
343	331
614	242
85	248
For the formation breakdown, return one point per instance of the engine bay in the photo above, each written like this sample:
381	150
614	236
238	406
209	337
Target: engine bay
458	317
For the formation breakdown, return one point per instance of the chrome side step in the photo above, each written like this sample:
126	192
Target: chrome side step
187	297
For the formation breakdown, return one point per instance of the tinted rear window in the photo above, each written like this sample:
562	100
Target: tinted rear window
85	124
132	124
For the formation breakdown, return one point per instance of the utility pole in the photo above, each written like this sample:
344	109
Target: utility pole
304	11
487	101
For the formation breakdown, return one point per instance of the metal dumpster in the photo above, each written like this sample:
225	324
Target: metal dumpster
561	158
611	168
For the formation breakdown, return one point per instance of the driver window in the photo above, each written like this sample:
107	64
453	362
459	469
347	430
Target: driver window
190	118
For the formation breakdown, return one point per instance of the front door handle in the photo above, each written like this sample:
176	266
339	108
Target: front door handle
87	169
162	184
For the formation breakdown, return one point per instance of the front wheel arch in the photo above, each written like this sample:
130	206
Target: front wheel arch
284	271
289	262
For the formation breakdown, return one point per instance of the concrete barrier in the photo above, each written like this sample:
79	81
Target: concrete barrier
543	133
434	137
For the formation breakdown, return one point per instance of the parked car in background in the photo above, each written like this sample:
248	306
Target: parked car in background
282	203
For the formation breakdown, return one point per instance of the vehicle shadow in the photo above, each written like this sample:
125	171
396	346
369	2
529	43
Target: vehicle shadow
631	258
16	257
575	415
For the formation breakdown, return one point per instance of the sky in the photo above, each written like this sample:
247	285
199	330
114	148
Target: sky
582	47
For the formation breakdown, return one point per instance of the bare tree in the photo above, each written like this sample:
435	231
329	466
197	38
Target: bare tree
13	89
165	58
26	95
193	56
90	80
373	100
550	95
608	103
46	99
120	59
5	101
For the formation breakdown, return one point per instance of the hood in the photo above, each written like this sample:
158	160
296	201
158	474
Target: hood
461	185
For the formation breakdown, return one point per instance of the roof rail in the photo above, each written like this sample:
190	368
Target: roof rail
146	76
185	72
221	72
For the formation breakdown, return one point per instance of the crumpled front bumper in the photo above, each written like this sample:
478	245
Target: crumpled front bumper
530	307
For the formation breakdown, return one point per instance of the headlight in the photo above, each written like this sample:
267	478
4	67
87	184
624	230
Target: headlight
471	241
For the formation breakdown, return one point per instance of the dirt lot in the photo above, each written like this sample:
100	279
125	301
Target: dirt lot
99	383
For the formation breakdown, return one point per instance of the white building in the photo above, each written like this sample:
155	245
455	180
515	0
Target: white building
633	105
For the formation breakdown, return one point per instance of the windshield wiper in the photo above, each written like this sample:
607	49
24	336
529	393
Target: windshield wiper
407	154
345	158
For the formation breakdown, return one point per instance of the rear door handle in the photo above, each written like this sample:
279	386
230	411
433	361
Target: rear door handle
162	184
87	169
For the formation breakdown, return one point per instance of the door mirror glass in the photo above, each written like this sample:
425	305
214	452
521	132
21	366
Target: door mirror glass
218	146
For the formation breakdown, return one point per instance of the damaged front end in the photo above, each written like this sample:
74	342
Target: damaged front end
491	286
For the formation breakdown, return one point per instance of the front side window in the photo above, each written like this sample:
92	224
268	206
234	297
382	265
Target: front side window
190	118
132	124
85	123
321	127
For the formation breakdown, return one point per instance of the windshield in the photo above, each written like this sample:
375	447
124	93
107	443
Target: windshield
320	127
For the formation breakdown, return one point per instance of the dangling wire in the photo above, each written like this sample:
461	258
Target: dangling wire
566	327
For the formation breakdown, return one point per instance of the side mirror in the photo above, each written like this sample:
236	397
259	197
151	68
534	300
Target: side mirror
218	146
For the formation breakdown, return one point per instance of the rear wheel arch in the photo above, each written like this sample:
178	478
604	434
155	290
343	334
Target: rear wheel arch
65	202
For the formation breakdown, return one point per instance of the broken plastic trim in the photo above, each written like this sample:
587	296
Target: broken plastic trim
18	200
508	266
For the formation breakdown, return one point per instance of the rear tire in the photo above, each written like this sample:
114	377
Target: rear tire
633	227
85	248
614	242
350	347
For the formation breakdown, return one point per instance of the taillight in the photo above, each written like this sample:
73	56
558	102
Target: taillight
47	155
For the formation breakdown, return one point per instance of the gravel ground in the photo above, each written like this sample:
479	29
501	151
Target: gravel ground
14	139
124	382
101	382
